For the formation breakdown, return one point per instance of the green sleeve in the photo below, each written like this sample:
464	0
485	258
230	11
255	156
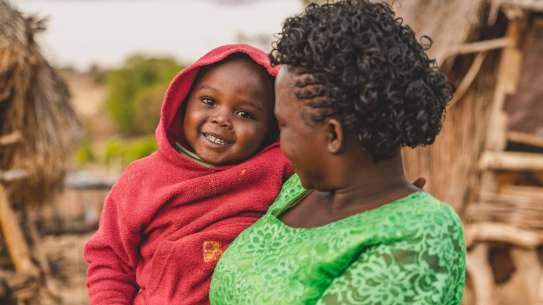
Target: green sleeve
427	269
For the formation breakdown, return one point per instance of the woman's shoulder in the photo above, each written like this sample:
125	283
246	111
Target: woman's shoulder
418	206
418	214
430	220
291	190
431	210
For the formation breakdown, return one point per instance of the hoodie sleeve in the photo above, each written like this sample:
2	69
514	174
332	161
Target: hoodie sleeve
111	254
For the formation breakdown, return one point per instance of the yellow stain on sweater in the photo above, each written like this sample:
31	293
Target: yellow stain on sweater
212	250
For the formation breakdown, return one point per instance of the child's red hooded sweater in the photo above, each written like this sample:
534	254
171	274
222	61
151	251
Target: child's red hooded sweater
168	218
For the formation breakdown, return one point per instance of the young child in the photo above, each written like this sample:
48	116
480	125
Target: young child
217	169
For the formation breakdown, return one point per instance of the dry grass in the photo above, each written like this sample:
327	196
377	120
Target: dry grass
35	101
448	23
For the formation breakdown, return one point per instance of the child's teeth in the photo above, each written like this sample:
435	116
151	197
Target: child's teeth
216	140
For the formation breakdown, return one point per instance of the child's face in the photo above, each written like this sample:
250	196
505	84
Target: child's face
229	112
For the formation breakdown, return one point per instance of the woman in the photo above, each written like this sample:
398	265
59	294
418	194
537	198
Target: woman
354	87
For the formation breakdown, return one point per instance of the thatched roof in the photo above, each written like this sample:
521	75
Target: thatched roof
448	23
34	101
530	5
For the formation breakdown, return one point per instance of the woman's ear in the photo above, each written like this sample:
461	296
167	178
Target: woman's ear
334	135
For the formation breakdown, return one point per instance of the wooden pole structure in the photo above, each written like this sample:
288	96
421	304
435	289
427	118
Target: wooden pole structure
11	138
525	138
495	232
14	238
492	160
480	273
508	77
507	81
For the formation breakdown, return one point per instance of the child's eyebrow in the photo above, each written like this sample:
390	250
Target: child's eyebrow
250	102
208	88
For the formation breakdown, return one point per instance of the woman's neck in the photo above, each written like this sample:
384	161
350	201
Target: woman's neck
366	183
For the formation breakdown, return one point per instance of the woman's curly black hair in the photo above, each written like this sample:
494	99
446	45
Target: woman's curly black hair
357	61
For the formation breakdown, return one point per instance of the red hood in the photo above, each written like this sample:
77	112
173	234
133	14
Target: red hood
169	129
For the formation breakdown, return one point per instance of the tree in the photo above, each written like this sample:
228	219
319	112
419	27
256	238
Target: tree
135	92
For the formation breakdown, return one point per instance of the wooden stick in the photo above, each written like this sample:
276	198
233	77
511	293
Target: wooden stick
14	238
525	138
11	138
527	273
532	225
540	296
524	4
515	196
535	193
492	160
481	276
488	232
519	213
12	175
520	217
507	79
493	12
480	46
468	79
529	208
529	219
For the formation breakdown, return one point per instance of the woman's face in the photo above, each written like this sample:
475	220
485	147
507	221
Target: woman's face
301	143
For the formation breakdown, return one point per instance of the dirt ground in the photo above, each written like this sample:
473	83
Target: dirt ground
65	253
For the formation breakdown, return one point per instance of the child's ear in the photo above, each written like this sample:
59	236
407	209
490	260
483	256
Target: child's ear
334	135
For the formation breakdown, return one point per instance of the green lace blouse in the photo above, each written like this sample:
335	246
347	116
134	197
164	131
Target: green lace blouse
408	252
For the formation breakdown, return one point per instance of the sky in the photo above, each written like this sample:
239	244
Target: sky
85	32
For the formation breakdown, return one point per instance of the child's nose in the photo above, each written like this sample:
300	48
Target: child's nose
222	119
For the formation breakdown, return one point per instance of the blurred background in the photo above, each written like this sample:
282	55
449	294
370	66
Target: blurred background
81	84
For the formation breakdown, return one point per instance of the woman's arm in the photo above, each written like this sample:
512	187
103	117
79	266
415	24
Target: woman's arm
428	269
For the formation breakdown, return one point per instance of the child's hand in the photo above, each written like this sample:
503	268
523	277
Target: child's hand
420	182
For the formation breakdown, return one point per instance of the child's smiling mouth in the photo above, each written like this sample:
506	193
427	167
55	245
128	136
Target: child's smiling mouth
216	139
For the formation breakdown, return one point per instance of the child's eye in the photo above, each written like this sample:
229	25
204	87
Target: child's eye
207	101
245	115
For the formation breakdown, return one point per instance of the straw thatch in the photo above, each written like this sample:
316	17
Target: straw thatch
532	5
450	24
34	101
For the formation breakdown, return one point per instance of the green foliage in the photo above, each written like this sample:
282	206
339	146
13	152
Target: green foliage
135	92
126	151
117	151
150	99
84	154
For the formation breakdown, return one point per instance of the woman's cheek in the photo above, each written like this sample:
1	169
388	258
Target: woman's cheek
283	143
